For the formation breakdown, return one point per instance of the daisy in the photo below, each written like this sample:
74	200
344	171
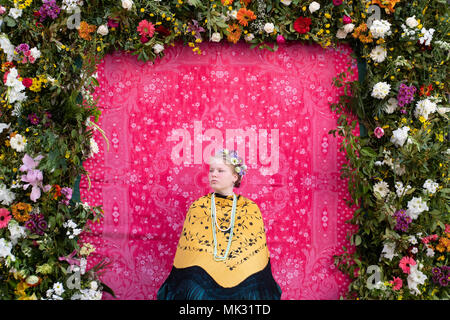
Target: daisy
406	263
382	188
18	142
244	16
146	28
234	33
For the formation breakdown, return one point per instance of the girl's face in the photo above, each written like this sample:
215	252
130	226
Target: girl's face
221	176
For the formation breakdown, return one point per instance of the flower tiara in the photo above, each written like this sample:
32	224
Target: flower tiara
232	157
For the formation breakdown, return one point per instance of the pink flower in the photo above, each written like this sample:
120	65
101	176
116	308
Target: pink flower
337	2
406	263
378	132
146	28
397	282
4	218
280	39
346	19
447	228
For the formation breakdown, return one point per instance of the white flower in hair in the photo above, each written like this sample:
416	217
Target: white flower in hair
234	161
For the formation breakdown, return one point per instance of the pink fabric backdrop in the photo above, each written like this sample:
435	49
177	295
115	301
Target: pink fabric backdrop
145	193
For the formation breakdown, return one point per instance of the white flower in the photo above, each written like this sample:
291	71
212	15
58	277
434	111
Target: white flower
430	186
381	90
430	252
388	251
269	27
216	37
16	231
424	108
18	142
380	29
412	239
6	196
399	136
341	34
70	5
7	47
414	250
93	147
93	285
249	37
58	288
391	106
400	189
15	13
378	54
127	4
412	22
157	48
286	2
5	250
442	110
381	189
415	278
4	126
415	207
314	6
103	30
349	27
35	52
427	36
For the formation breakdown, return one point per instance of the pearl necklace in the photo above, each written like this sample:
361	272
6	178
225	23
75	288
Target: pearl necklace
215	223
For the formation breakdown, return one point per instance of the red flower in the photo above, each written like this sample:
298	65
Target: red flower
27	82
146	28
162	30
301	25
144	39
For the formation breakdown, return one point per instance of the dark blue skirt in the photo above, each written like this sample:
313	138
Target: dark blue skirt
194	283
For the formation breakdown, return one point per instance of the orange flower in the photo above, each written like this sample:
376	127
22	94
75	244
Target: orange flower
246	2
56	191
234	33
389	4
85	30
21	211
244	16
357	34
226	2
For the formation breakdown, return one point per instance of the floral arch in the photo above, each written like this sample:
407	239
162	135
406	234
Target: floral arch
397	169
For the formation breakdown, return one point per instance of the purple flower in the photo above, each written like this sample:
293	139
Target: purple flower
33	176
443	281
23	47
49	9
436	271
337	2
34	119
405	94
30	225
196	28
402	220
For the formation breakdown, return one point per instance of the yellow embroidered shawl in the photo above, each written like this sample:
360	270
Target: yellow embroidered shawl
248	252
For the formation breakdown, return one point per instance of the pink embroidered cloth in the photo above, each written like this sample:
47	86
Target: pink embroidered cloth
146	182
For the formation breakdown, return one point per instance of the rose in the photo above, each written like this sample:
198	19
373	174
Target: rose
269	27
215	37
378	132
157	48
314	6
301	25
127	4
103	30
346	19
280	39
